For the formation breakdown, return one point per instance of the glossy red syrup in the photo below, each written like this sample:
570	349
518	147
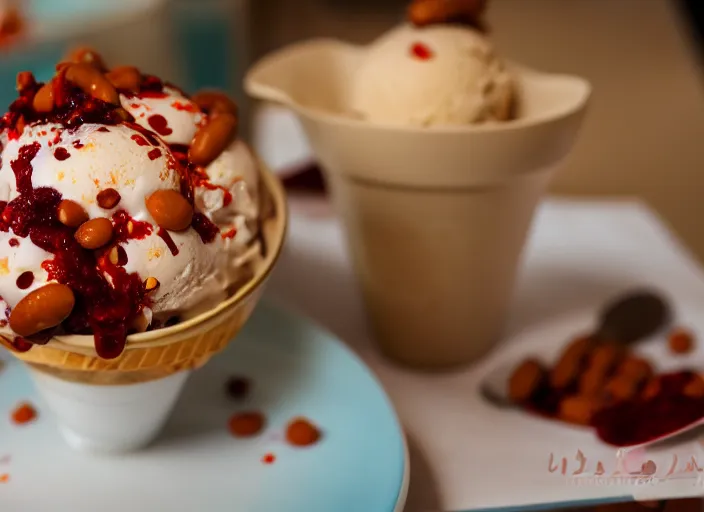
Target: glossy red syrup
61	154
640	421
25	280
421	51
126	228
204	227
164	235
159	124
154	154
141	141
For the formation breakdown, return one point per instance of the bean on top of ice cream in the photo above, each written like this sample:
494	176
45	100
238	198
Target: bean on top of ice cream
123	203
430	12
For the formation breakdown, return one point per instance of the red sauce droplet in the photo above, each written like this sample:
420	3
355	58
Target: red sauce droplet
148	135
61	154
77	144
25	280
269	458
301	432
103	129
154	154
159	124
246	424
168	241
141	141
21	345
186	107
421	51
204	227
23	414
229	234
14	242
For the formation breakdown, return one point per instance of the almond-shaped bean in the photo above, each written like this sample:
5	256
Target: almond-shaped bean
214	101
95	233
44	99
71	213
42	309
84	55
125	77
212	139
92	82
170	209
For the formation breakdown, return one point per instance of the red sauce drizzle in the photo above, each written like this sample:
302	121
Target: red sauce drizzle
101	309
61	154
154	154
186	107
421	51
141	141
168	241
77	144
640	421
159	124
204	227
103	129
21	345
25	280
122	225
229	234
13	241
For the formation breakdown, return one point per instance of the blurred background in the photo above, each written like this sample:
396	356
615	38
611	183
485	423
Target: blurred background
644	136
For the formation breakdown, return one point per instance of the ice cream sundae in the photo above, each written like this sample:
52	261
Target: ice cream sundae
125	205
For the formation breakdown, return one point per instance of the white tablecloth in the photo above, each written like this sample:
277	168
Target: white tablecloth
579	255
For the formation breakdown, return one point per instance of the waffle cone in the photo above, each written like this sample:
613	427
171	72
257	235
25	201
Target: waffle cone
142	364
185	346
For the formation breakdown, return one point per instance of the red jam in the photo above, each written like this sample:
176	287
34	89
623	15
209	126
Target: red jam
159	124
61	154
421	51
641	421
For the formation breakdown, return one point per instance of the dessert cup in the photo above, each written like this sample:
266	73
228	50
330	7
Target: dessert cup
436	218
112	406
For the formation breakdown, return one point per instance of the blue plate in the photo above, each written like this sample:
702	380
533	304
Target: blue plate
296	369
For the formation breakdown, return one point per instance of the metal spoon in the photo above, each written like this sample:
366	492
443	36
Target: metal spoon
628	319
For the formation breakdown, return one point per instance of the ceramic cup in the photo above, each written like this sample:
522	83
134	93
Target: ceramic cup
436	218
110	419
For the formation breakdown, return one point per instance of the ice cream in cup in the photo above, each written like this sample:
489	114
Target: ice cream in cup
136	233
436	152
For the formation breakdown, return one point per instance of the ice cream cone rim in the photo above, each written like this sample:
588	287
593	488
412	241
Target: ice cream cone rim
275	227
256	85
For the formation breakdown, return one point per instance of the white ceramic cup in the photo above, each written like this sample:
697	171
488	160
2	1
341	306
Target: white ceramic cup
110	419
436	218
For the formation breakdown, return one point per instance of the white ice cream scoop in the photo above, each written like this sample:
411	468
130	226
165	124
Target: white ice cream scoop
436	75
